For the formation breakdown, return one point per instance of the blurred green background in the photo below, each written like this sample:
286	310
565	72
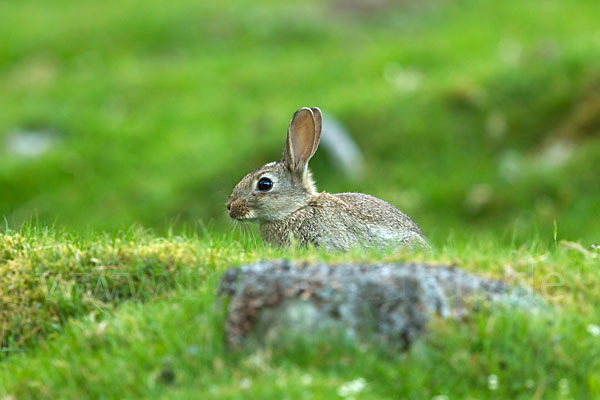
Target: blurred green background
476	118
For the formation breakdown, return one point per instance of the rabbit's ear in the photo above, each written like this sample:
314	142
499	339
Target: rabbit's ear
318	125
300	140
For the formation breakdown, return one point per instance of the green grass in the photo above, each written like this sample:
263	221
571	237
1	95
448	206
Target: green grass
155	109
158	108
165	339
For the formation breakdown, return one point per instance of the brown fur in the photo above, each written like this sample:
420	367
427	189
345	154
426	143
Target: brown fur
293	210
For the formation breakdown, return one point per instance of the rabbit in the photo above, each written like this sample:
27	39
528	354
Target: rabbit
282	198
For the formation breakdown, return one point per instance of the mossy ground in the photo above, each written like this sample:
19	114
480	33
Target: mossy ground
135	315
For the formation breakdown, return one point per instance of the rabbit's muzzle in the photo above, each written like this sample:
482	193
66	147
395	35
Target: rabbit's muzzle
238	209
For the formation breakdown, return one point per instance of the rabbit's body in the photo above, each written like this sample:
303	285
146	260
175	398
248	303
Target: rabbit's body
343	221
282	198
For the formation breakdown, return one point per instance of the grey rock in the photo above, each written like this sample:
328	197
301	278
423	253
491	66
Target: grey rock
30	143
391	303
341	147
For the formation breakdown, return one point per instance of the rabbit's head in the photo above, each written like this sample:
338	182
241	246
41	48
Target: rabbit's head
275	190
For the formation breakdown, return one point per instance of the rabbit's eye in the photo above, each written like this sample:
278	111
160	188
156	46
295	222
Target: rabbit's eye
264	184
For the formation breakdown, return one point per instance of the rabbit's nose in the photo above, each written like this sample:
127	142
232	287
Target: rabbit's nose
228	205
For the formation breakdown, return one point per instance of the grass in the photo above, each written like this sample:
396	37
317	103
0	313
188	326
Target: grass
479	119
155	109
165	339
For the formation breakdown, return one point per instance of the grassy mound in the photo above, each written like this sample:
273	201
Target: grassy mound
154	329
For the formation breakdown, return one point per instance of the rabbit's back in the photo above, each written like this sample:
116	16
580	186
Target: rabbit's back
345	220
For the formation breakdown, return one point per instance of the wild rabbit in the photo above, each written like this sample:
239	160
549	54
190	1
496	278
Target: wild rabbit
281	197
